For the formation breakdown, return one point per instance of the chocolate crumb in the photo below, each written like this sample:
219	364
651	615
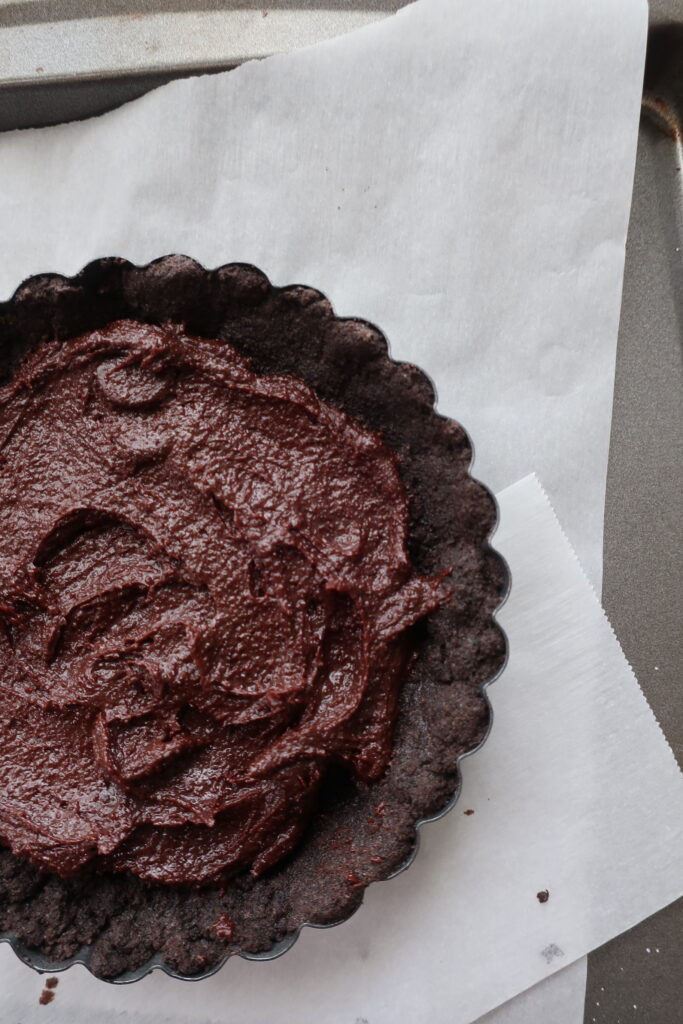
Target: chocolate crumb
51	982
223	927
543	896
46	996
468	811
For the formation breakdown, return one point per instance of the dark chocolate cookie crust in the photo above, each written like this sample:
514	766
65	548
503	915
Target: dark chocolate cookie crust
117	923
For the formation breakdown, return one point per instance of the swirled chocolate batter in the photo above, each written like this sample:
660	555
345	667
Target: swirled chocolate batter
204	598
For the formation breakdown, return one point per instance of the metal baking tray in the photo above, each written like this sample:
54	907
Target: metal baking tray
637	976
63	39
65	59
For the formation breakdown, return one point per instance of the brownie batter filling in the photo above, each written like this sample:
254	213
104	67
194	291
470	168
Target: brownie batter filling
204	597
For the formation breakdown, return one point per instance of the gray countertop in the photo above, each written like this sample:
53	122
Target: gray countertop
637	976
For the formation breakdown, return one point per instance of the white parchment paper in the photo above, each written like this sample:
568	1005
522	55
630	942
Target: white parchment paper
575	791
459	174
